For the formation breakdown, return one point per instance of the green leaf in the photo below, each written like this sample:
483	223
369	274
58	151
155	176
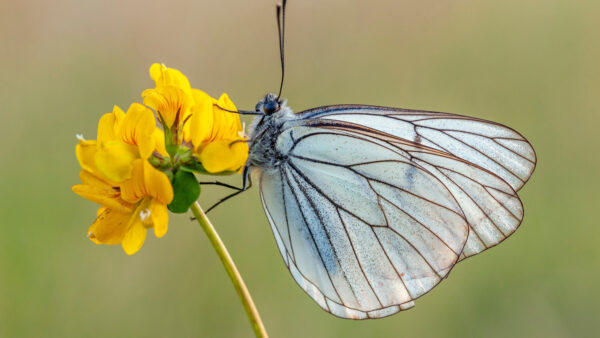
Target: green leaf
186	191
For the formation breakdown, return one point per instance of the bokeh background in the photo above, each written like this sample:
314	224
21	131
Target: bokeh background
532	65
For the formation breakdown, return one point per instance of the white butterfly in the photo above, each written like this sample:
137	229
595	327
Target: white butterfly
371	207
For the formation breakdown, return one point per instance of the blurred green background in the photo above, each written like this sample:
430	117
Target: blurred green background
532	65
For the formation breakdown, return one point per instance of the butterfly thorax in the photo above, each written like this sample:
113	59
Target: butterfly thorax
264	131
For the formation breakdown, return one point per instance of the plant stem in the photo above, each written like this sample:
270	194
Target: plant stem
232	271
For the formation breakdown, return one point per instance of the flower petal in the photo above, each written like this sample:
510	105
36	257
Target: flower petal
97	190
224	155
138	128
106	128
146	181
132	190
134	237
157	184
97	196
88	178
86	152
160	218
109	227
170	102
159	142
202	121
109	124
227	125
114	159
164	76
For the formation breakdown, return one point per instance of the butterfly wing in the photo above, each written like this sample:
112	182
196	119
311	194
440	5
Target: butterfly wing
489	145
362	228
494	151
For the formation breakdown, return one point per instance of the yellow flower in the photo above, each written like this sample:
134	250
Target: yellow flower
127	211
217	135
193	116
122	138
171	98
164	76
128	169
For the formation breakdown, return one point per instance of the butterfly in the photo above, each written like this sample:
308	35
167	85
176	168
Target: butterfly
371	207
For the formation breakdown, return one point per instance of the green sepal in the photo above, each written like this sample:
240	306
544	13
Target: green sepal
172	149
186	191
170	138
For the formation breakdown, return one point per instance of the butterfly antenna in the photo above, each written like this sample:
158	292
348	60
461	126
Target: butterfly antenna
281	33
240	112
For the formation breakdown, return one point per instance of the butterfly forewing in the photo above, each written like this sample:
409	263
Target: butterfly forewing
489	145
483	163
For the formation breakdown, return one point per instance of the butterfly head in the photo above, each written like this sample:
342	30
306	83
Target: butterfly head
270	104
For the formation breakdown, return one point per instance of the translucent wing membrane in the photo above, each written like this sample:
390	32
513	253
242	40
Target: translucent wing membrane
374	206
362	241
486	144
471	156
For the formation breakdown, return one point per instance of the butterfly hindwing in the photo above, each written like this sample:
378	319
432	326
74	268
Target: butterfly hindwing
361	239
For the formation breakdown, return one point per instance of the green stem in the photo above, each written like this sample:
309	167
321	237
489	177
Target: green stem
232	271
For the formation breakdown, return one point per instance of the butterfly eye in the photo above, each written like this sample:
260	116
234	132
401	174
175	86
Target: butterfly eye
271	107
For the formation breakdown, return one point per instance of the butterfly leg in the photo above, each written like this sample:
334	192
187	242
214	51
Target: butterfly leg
221	184
245	186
